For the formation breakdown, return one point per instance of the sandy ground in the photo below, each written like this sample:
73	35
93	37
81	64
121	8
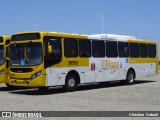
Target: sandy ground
144	95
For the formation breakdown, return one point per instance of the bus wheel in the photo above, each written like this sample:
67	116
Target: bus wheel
8	85
70	84
130	77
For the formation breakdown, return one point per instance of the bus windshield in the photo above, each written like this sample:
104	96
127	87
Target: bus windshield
1	54
25	54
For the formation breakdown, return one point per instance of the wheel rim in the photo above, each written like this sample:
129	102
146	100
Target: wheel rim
71	83
130	77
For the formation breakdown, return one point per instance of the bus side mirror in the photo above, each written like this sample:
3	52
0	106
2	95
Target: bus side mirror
49	49
7	49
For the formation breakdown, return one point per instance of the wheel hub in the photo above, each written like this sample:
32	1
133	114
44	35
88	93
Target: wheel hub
71	83
130	77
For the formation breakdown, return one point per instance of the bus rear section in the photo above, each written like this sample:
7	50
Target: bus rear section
4	60
127	58
143	57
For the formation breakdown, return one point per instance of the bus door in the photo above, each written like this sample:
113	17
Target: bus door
111	63
123	52
52	56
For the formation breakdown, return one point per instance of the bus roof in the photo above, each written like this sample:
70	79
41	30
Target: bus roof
55	33
68	33
114	37
5	36
111	37
52	32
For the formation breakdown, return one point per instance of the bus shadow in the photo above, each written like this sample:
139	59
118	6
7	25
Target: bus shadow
5	88
85	87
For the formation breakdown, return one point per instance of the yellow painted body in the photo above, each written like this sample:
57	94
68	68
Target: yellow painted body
19	79
145	60
24	79
4	76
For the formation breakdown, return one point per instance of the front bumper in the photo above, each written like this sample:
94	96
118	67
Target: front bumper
4	78
37	82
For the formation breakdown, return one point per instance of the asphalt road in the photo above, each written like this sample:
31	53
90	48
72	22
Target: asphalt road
144	95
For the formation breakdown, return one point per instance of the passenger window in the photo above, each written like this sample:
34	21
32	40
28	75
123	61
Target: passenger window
134	50
151	51
84	48
111	49
123	49
98	49
70	47
143	50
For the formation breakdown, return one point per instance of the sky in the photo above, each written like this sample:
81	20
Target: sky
139	18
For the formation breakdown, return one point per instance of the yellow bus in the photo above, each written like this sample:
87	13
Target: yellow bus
45	59
4	62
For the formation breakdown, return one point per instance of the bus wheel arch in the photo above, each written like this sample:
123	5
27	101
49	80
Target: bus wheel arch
71	81
130	77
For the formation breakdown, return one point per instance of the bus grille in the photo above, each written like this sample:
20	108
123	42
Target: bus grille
21	70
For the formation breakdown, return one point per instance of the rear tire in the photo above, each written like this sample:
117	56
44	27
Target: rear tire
130	77
70	84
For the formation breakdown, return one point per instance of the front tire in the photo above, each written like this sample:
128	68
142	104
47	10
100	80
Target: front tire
10	86
130	77
70	84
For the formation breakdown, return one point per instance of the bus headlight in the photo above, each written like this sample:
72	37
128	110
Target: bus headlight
33	76
36	74
39	73
1	72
